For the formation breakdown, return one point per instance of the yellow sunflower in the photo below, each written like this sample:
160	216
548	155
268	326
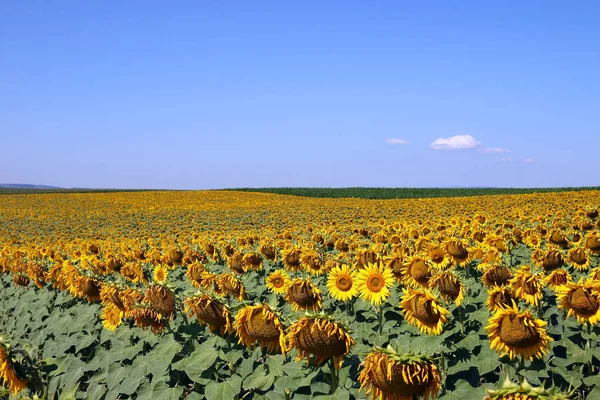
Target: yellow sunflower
229	285
373	283
495	275
527	286
437	256
579	258
340	283
388	375
8	374
160	274
580	299
458	251
312	261
259	325
111	317
417	272
209	311
278	281
557	278
499	297
147	317
302	294
320	337
290	257
517	334
449	285
422	309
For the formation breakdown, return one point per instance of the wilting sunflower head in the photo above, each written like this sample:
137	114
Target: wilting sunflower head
449	286
209	311
278	281
252	261
396	263
229	285
259	325
302	294
496	275
268	251
423	310
312	261
365	257
557	278
388	375
579	258
417	272
517	334
525	391
499	297
582	300
160	274
9	373
162	299
437	256
319	338
341	283
548	260
527	286
147	317
458	251
592	242
373	283
290	257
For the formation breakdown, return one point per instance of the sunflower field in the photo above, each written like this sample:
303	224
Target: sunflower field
239	295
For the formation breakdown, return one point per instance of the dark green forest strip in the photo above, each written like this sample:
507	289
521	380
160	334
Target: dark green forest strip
405	193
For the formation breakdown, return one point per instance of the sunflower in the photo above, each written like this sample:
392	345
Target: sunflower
525	391
252	261
417	272
549	260
365	257
391	376
592	242
320	337
161	299
373	283
477	251
458	251
340	283
234	262
304	295
422	309
557	278
229	285
579	258
37	274
209	311
527	286
290	257
278	281
518	334
449	285
499	297
124	299
111	317
437	256
147	317
580	299
160	274
260	325
496	275
312	262
8	374
268	251
21	280
396	264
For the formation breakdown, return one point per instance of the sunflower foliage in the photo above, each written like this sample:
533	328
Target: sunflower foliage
230	295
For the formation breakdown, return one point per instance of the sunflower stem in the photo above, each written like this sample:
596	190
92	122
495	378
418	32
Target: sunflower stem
380	319
333	376
520	368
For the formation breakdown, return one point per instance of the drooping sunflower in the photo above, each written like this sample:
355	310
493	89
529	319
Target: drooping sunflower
290	257
268	251
124	299
548	260
112	317
365	257
582	300
592	242
557	278
161	299
579	258
259	325
499	297
312	262
341	283
160	274
234	262
209	311
525	391
319	338
437	256
304	295
147	317
449	285
229	285
423	310
477	251
417	272
517	334
496	275
527	286
8	373
21	280
278	281
388	375
373	283
252	261
458	251
396	264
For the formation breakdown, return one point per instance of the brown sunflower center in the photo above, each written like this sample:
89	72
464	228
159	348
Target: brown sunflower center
395	383
375	282
424	311
303	295
317	339
515	333
343	283
261	328
448	286
498	275
593	243
530	287
420	272
579	257
458	251
583	302
437	256
559	278
277	282
502	298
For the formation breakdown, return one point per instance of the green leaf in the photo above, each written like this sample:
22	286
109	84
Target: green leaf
220	391
339	394
275	364
197	362
259	379
464	391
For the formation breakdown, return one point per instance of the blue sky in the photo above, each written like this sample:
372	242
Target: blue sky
194	95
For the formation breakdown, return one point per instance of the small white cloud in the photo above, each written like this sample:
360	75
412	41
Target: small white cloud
455	143
506	159
529	160
396	141
495	150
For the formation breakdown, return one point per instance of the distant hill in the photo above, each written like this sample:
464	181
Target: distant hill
25	186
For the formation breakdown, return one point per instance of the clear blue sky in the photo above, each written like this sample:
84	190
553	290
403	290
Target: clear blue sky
194	95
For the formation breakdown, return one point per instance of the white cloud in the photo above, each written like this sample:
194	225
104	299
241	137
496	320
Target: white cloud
529	160
396	141
495	150
506	159
455	142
